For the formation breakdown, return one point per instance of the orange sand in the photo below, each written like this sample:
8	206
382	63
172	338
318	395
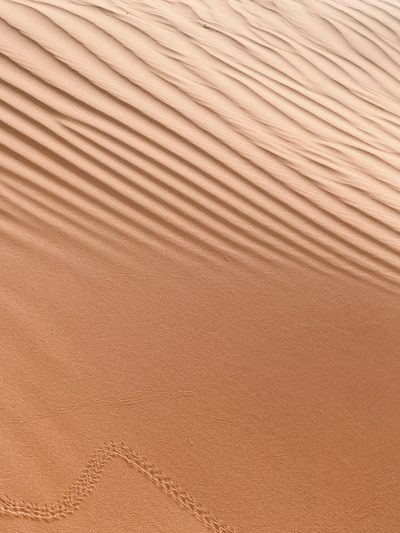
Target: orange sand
200	243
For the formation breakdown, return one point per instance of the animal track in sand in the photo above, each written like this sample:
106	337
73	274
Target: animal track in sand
85	484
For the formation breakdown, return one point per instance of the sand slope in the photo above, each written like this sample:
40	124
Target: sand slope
200	233
268	130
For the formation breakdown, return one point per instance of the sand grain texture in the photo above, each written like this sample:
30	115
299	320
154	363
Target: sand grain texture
200	242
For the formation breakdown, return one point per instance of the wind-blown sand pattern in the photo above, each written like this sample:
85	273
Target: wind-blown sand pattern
201	196
268	129
85	484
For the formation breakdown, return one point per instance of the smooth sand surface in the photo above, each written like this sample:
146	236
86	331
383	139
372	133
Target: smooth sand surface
200	266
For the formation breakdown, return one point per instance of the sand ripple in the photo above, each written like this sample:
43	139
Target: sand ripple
242	130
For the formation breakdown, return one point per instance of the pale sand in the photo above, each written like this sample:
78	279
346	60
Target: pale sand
200	242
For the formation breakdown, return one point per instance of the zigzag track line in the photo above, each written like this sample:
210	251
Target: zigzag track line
70	502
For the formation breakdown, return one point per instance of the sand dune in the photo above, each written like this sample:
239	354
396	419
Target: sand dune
200	233
267	131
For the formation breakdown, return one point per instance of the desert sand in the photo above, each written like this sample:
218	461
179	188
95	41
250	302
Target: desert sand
200	274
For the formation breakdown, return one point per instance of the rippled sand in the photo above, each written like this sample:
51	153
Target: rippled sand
200	266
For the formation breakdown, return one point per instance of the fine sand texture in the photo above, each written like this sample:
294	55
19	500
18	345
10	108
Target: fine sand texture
200	266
